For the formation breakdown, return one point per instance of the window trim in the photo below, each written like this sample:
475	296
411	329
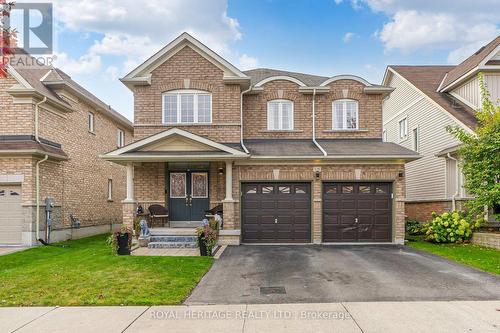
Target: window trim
401	138
110	189
280	102
416	139
180	92
384	135
120	139
344	111
91	122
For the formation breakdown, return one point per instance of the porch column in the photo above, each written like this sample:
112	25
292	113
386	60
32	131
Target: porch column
229	181
129	204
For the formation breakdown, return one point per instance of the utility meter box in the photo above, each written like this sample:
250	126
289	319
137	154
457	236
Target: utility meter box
49	204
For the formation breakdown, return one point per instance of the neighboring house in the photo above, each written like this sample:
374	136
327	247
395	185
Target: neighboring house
52	131
426	99
293	158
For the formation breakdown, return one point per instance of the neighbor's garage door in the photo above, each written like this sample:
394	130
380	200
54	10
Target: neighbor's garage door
11	215
357	212
276	213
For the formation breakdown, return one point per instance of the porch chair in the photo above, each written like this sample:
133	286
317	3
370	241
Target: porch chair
158	213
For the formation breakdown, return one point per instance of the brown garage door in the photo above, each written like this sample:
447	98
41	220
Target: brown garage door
276	213
357	212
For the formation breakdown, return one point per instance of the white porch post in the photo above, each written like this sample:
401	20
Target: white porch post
229	181
130	183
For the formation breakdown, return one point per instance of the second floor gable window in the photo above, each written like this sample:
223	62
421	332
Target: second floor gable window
280	115
345	114
187	107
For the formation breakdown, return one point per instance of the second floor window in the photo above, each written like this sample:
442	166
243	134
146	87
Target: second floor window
120	138
403	129
187	107
280	115
91	123
345	114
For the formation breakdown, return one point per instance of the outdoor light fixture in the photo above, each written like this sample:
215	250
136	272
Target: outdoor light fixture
401	174
221	171
317	172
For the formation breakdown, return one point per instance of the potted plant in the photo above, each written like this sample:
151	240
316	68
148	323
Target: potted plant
122	241
207	239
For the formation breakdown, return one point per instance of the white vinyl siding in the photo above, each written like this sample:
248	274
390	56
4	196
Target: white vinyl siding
405	95
425	177
493	83
280	115
345	114
187	107
469	92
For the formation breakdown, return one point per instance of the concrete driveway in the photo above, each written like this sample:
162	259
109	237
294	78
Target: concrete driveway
321	274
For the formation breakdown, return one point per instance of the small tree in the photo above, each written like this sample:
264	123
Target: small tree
480	155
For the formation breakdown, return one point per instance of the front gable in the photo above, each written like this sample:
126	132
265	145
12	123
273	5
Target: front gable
178	143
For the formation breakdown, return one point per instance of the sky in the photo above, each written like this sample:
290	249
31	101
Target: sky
98	42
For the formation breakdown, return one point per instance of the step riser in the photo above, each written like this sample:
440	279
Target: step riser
174	239
171	245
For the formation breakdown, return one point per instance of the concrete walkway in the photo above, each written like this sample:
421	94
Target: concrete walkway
460	316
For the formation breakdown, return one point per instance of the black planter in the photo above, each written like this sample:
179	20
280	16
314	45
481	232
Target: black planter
123	248
203	247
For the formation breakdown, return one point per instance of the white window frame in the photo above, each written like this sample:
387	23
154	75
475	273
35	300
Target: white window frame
401	136
120	138
179	93
280	114
110	189
344	117
384	135
415	139
91	122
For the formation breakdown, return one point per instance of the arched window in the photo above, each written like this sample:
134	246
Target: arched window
345	114
280	115
187	107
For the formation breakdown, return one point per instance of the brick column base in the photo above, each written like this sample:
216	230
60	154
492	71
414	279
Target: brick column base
129	209
231	233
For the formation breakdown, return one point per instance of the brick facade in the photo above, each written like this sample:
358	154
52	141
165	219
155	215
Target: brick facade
79	184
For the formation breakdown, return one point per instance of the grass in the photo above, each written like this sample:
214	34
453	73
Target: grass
483	258
87	273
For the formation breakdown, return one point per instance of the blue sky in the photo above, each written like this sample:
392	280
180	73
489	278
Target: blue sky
99	42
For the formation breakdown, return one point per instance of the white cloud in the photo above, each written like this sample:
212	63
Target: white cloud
111	73
246	62
460	25
348	36
86	64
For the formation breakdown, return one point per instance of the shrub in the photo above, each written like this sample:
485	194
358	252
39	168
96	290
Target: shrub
414	228
453	227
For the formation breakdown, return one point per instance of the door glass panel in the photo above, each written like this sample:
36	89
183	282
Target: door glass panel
285	189
381	189
300	189
267	189
347	189
199	185
2	193
364	189
331	189
251	189
178	185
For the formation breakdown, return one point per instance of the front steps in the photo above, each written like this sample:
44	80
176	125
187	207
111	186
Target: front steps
173	238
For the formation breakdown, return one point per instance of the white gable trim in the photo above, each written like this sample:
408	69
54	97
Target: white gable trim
173	47
346	77
433	102
280	77
170	132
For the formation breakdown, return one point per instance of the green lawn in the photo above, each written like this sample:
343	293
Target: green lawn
86	273
484	258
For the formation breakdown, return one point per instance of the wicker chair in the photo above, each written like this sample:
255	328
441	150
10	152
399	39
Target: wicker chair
158	214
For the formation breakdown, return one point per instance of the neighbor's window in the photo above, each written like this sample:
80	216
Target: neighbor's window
403	129
120	138
91	123
280	115
187	106
110	189
345	114
416	139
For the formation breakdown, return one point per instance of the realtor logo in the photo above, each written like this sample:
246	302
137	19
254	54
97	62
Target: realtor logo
34	24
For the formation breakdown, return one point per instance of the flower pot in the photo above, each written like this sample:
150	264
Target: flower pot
203	247
123	244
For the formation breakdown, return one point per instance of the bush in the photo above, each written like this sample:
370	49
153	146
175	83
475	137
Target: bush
414	228
453	227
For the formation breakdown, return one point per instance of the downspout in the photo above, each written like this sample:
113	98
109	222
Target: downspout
457	175
37	170
314	123
241	120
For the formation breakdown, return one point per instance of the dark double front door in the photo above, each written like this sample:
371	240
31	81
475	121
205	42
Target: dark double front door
188	195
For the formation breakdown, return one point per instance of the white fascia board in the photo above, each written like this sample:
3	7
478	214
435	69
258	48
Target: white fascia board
171	158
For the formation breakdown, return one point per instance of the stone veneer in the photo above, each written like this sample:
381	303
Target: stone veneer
488	239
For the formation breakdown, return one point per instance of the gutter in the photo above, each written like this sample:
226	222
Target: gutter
241	120
454	197
314	124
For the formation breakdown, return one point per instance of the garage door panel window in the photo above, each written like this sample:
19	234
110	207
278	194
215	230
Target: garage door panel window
251	190
285	189
331	189
365	189
347	189
301	189
382	189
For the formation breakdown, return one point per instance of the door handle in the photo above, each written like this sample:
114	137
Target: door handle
190	201
275	221
356	220
187	200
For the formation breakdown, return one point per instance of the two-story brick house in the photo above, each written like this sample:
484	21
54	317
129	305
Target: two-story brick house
293	158
52	131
